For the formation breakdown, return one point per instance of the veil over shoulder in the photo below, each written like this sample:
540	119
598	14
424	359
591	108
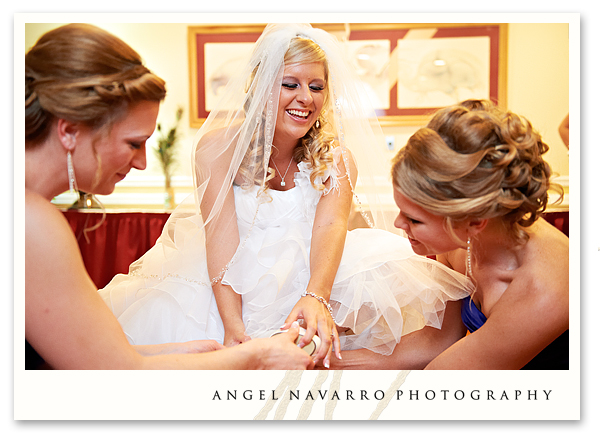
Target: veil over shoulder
224	231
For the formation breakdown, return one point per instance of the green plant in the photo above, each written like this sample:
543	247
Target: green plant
165	151
165	148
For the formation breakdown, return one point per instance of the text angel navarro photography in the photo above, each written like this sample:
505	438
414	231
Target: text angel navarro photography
378	395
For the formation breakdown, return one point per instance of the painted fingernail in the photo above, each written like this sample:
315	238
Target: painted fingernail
326	363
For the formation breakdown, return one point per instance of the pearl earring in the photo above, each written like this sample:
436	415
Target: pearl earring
469	265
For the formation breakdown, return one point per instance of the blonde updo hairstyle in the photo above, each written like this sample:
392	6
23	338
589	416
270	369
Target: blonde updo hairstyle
474	160
84	74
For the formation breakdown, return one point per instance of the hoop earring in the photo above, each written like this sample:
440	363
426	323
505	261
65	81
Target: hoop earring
71	173
469	264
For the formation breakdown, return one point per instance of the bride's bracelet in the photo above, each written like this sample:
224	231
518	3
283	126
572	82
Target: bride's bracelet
322	300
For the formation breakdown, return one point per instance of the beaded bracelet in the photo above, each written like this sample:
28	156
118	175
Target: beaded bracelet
322	300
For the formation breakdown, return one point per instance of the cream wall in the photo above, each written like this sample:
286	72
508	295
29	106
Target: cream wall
538	81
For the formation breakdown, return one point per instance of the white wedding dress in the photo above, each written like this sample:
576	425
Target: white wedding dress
382	289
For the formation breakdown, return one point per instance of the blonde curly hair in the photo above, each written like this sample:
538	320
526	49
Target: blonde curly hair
474	160
316	146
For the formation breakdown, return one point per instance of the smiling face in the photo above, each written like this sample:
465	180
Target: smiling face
301	100
123	148
425	230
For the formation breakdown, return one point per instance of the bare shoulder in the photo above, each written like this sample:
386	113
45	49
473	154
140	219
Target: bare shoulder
540	287
217	146
43	221
546	257
342	158
223	136
339	151
210	136
50	245
215	151
66	321
530	310
40	215
33	200
545	234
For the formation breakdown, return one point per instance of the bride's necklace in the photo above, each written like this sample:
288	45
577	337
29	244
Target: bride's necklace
286	171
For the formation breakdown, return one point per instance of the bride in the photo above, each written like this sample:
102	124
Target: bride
276	170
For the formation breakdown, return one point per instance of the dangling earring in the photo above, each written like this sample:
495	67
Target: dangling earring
71	172
317	124
469	265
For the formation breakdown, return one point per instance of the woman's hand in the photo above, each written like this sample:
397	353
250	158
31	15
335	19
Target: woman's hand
188	347
281	352
199	346
318	321
235	335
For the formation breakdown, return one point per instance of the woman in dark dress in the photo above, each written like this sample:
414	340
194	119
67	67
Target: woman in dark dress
470	188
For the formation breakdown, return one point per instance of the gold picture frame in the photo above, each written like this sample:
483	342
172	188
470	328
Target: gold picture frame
397	62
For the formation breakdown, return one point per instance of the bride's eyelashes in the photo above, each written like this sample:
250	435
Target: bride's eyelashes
293	86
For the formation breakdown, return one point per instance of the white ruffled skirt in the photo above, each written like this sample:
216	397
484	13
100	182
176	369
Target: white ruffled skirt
382	290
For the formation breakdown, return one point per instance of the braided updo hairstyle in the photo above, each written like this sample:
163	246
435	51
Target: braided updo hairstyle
474	160
82	73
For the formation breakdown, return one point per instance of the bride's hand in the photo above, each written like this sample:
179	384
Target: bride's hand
318	321
235	336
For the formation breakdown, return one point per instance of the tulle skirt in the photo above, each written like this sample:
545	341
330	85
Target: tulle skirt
381	292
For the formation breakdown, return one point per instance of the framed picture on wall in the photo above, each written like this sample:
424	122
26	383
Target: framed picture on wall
408	70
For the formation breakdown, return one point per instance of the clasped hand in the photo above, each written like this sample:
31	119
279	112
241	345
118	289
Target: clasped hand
317	320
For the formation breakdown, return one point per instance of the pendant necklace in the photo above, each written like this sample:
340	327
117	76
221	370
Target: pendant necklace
286	171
